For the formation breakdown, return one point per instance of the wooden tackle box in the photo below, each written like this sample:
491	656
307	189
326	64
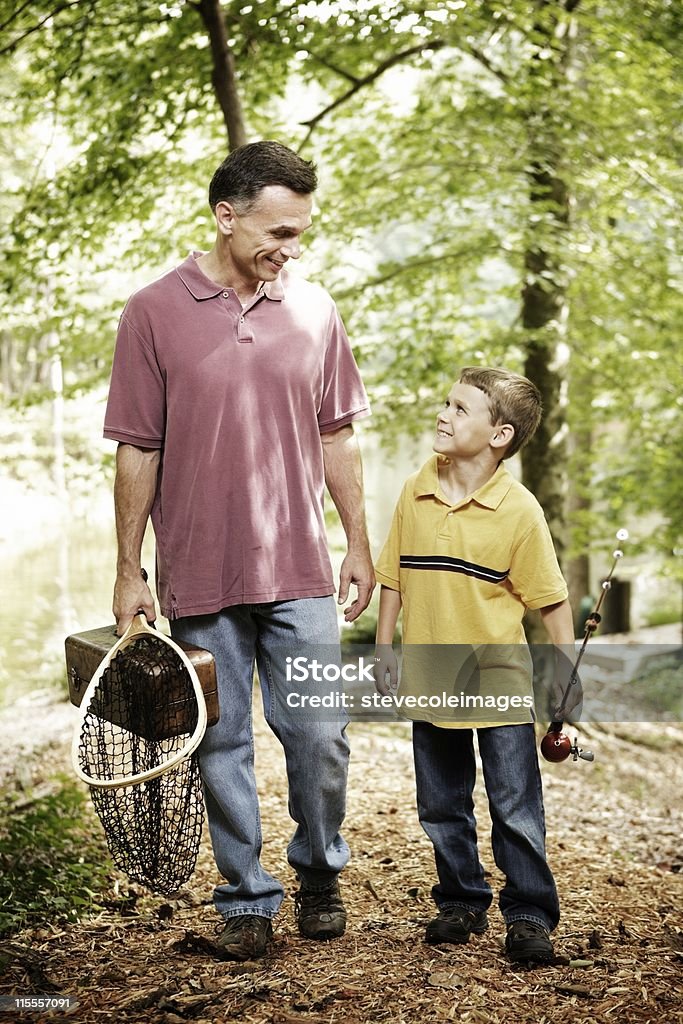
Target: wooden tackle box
85	651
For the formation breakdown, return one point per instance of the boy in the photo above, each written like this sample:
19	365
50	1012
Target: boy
468	552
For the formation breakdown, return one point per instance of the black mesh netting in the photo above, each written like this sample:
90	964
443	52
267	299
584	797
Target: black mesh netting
141	715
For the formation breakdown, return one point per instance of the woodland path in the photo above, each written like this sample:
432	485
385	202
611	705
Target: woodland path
614	840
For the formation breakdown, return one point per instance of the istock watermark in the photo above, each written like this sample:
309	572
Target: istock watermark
479	684
304	670
315	683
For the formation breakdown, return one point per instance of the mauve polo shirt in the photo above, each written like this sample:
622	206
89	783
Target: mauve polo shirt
237	399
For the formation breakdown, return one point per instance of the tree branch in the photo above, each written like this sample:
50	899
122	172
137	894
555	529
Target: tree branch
479	55
333	67
360	83
10	47
15	14
653	183
412	265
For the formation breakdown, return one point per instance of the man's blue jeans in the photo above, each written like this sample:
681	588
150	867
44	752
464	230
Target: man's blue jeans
445	771
315	746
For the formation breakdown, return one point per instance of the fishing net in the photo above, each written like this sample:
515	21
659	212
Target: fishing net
136	748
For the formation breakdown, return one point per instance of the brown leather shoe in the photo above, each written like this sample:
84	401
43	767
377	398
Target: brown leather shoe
246	937
320	913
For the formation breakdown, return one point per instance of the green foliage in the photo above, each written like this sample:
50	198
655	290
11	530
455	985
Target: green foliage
471	155
449	215
661	687
664	616
53	863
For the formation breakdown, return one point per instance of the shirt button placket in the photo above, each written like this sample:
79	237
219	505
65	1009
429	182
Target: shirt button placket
244	334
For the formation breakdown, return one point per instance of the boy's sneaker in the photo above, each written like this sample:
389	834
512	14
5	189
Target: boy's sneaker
455	924
246	937
320	913
528	942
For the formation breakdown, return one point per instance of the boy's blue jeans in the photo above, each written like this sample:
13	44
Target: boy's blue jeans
316	750
445	771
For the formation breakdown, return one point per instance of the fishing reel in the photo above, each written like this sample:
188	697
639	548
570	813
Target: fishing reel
556	746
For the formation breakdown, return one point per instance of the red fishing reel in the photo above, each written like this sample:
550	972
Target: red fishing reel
556	746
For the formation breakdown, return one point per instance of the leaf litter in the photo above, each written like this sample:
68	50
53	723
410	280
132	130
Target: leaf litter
614	832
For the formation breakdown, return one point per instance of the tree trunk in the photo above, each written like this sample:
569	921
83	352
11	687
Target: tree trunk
580	402
544	314
544	299
223	75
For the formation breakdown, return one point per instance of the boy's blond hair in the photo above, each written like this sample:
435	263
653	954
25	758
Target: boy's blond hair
512	399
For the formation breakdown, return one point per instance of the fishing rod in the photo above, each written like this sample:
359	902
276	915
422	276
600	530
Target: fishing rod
556	745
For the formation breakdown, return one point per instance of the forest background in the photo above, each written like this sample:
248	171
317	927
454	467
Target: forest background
501	183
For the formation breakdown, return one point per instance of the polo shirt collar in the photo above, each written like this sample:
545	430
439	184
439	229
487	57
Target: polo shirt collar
489	494
201	287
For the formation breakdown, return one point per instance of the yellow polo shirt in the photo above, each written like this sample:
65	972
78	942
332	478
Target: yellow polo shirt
466	573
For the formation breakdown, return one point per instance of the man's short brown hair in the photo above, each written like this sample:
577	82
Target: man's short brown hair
512	399
249	169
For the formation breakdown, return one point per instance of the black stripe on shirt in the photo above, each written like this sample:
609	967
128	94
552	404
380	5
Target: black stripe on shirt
446	564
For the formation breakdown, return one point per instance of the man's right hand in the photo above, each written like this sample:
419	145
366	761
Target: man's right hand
131	595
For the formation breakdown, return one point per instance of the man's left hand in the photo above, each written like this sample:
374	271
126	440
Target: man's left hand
357	569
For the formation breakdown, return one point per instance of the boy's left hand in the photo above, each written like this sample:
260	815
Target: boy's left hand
386	669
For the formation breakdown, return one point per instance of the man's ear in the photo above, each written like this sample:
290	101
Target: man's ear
503	435
225	217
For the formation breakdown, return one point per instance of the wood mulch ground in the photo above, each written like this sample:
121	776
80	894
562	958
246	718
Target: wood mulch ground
614	838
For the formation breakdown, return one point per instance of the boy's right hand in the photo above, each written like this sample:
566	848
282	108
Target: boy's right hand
385	670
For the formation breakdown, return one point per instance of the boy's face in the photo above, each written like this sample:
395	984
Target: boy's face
463	427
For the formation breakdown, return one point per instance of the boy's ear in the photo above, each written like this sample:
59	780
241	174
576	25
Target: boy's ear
504	433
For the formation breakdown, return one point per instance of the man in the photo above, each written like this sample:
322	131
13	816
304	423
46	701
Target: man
232	398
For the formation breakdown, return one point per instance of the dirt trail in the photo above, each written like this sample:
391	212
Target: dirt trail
614	831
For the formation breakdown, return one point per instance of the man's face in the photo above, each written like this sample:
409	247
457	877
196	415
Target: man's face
263	239
463	426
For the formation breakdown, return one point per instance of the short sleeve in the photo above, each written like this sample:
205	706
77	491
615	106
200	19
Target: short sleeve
136	407
343	396
535	574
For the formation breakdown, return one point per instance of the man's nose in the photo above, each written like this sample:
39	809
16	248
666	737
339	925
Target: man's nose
291	249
